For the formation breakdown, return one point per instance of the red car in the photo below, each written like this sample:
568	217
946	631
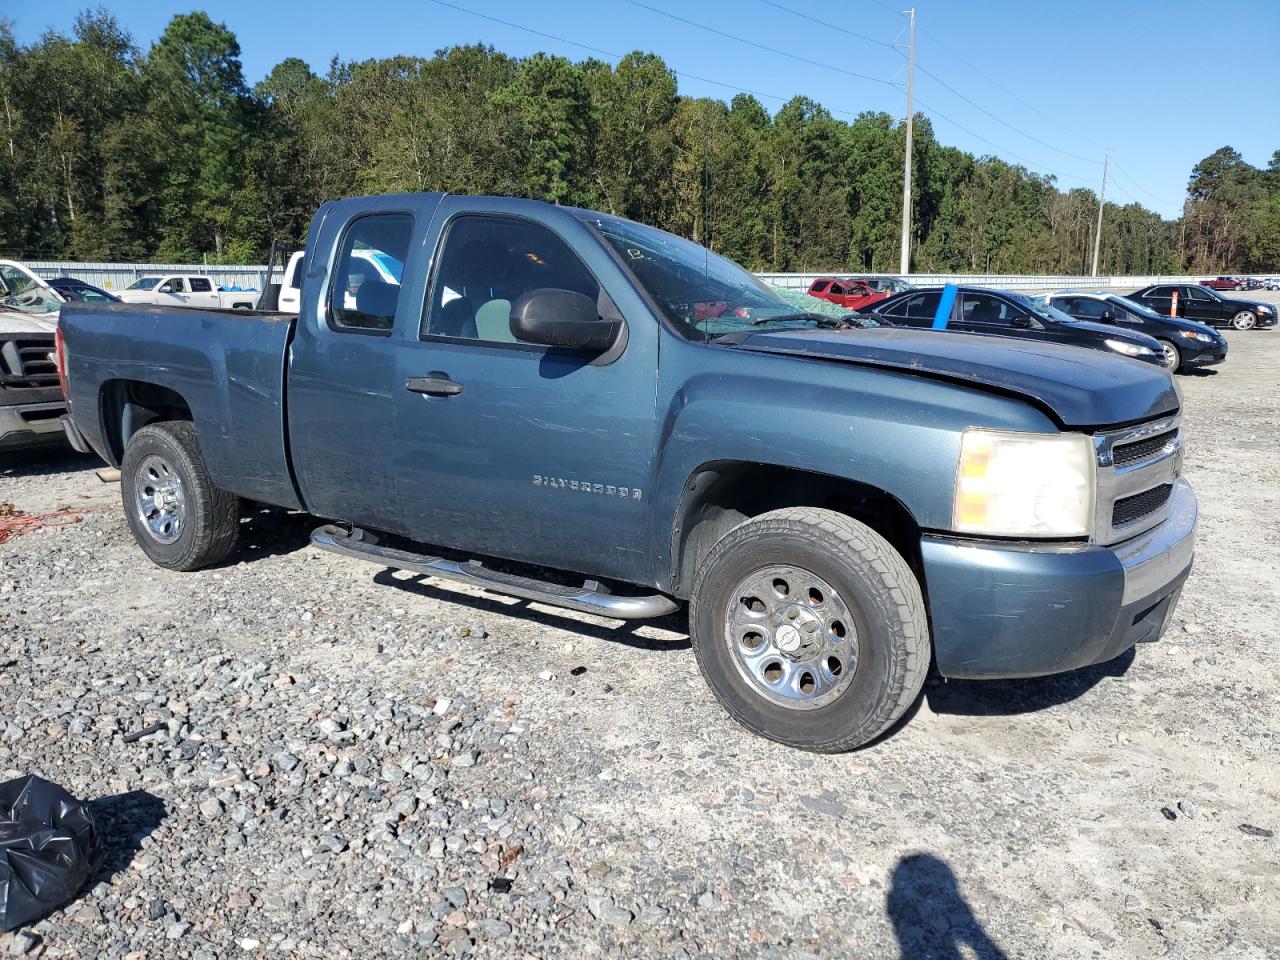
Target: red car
854	294
1223	283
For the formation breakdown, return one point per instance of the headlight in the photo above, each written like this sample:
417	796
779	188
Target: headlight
1130	349
1024	484
1264	308
1192	335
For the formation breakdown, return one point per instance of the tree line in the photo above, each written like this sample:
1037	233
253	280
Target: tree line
111	152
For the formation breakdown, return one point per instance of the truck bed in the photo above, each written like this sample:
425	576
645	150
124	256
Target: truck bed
227	366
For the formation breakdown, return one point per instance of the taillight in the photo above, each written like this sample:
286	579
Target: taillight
60	359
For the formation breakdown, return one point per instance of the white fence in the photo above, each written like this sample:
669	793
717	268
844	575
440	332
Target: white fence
117	276
801	281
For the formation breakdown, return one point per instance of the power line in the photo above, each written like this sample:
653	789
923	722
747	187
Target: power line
830	26
1125	173
619	56
758	46
1004	123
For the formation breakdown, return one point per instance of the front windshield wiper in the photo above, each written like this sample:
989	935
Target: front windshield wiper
818	319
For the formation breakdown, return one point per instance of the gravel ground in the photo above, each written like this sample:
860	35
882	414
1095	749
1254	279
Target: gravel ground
348	764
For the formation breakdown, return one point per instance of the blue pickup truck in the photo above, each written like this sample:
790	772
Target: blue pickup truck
603	416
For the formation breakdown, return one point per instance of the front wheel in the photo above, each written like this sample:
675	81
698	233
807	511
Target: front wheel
1169	356
177	516
1244	320
810	629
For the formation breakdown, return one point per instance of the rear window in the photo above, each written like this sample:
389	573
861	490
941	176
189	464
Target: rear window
364	293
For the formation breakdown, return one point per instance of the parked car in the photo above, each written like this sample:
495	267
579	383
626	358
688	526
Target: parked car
1206	306
1223	283
797	483
851	294
889	285
31	405
1001	313
187	290
71	289
1184	343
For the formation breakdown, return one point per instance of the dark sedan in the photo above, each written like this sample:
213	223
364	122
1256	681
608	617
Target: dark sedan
1206	306
77	291
1003	313
1185	343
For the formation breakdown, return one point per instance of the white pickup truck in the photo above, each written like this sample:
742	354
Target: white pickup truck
366	265
186	290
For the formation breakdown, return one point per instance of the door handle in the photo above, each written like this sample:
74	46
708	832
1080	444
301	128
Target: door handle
434	384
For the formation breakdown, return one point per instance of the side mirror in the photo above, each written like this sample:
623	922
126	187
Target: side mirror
1022	321
562	318
166	288
1108	317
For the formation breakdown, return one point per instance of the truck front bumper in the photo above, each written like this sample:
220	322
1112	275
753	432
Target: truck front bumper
30	416
1017	610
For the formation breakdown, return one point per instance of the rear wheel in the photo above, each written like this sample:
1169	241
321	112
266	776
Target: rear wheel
177	516
810	629
1170	356
1244	320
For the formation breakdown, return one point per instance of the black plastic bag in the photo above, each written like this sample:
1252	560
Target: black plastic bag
48	849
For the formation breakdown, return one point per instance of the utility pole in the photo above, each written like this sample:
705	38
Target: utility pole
1102	202
905	267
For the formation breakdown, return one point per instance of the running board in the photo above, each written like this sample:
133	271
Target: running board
591	597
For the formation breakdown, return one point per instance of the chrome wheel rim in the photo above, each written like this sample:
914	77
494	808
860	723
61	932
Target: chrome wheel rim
792	637
1170	355
1242	320
160	499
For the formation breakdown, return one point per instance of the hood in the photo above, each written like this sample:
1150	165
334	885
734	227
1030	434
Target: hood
1077	386
1251	304
1106	331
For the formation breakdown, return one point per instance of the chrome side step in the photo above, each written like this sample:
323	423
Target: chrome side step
591	597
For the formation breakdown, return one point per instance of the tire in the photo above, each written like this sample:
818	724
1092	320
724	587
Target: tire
1244	320
859	577
162	464
1172	358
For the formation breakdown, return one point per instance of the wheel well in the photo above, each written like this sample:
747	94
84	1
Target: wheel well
721	495
129	405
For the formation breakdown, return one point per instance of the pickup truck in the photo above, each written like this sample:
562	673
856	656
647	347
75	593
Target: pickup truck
546	394
851	294
31	406
186	290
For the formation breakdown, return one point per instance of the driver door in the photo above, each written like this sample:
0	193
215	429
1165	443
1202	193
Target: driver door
514	449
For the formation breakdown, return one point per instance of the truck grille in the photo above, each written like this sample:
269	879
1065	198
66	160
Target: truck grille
1132	509
26	362
1137	469
1127	453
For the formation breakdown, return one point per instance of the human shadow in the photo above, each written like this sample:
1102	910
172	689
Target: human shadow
930	917
982	698
625	634
123	821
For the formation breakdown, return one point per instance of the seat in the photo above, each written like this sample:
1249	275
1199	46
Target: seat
984	311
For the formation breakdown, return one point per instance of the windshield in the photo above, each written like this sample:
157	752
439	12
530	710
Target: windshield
1041	309
144	283
34	300
702	294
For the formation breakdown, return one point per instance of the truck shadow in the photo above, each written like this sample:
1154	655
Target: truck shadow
45	459
931	917
978	698
625	634
271	532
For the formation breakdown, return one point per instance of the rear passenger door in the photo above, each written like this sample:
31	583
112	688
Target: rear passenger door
1160	299
343	384
515	449
202	293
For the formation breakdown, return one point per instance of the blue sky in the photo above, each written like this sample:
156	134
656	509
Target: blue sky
1162	84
